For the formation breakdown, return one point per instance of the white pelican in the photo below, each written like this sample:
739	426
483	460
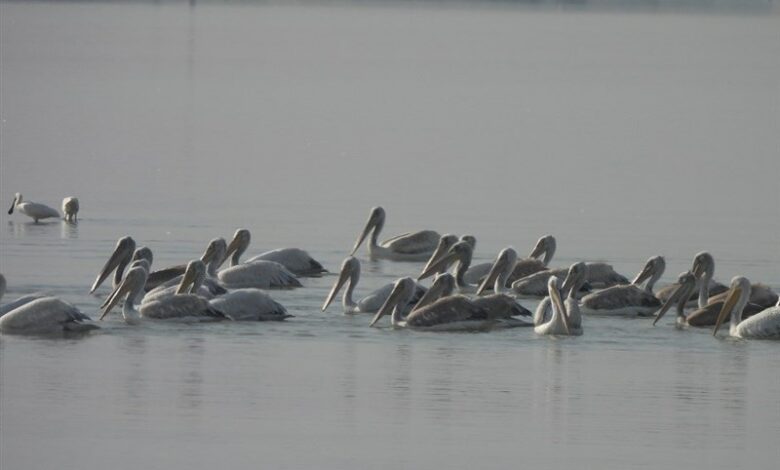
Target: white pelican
182	307
413	246
70	207
445	243
763	325
350	275
258	274
628	299
599	274
124	253
34	210
499	271
460	252
559	323
572	284
761	298
297	261
704	270
455	312
41	315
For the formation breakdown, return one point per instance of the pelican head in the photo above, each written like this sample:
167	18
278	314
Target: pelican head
470	239
214	255
555	296
132	286
443	286
460	251
500	271
17	200
238	245
687	283
143	253
376	220
546	246
350	270
123	251
402	293
737	298
654	267
575	279
703	265
193	277
445	243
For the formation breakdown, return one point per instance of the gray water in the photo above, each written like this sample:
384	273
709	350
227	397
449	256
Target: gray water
624	134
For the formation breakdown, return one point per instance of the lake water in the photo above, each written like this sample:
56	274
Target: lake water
624	134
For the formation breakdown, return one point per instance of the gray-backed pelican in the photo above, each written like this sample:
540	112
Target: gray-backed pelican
413	246
599	275
628	299
499	271
34	210
124	253
181	307
193	277
445	243
297	261
249	305
523	267
350	275
70	209
704	270
461	253
763	325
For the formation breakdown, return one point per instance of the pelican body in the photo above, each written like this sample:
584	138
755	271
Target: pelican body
297	261
70	209
34	210
412	246
763	325
628	299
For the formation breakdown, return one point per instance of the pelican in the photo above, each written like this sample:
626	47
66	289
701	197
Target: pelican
182	307
249	304
350	275
445	243
460	252
41	315
628	299
559	323
686	285
499	272
193	277
34	210
523	267
70	207
761	298
763	325
599	274
704	269
297	261
212	257
455	312
258	274
124	253
572	284
416	246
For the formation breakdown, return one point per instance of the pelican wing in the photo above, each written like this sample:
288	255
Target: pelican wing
760	294
178	307
763	325
374	301
44	315
501	306
260	274
250	305
536	284
297	261
451	309
164	277
619	297
604	275
525	267
707	315
424	241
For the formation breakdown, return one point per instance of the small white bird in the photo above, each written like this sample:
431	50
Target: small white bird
70	207
32	209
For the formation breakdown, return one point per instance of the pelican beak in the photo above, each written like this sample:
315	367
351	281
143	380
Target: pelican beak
187	280
539	249
496	270
441	248
120	254
392	301
647	271
555	296
235	243
13	204
681	294
343	276
369	226
115	297
728	306
440	265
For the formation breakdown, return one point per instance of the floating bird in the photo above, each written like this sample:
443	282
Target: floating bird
686	285
763	325
559	323
704	270
499	272
523	267
628	299
350	275
572	284
249	304
34	210
459	254
41	315
181	307
193	277
445	243
599	275
295	260
258	274
70	209
413	246
761	297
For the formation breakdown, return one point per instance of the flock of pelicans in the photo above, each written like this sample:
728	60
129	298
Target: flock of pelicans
470	297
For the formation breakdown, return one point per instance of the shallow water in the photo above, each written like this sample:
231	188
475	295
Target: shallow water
625	135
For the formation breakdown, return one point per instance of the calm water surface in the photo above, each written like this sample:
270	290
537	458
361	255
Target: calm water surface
625	135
